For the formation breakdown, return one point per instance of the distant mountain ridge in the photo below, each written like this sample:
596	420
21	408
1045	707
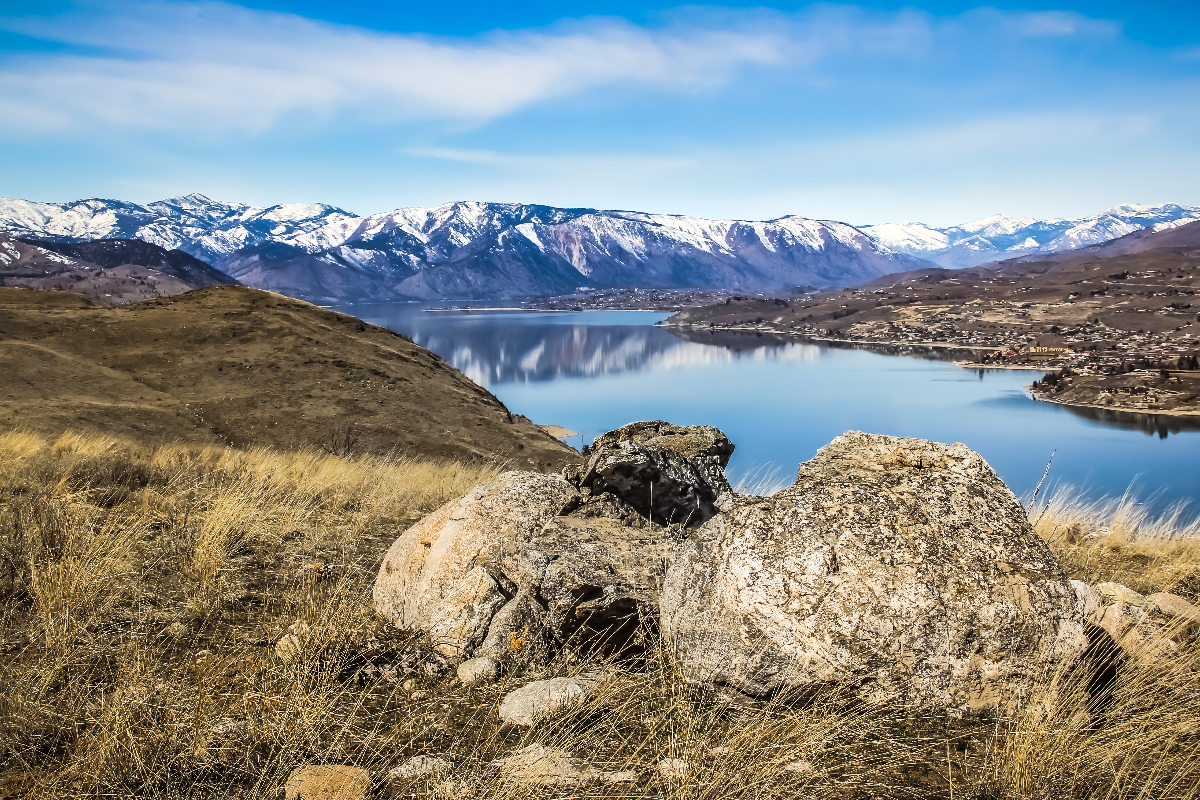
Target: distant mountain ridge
1000	238
476	250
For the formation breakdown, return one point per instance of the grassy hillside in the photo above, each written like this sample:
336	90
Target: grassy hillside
143	591
242	367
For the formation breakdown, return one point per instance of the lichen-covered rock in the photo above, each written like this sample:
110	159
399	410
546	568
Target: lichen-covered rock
896	570
517	567
442	575
670	474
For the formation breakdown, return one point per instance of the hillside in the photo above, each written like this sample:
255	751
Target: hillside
116	271
244	367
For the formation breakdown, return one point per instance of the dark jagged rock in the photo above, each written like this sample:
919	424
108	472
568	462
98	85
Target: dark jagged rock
670	474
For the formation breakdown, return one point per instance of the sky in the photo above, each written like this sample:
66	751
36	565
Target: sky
937	112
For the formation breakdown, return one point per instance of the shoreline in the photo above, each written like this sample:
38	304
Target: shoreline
910	346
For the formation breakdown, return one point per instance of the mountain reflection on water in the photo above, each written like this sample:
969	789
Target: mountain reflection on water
780	400
495	348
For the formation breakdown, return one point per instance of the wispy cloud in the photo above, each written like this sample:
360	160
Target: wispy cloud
219	67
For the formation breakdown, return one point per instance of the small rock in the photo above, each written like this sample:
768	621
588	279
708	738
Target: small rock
800	767
478	670
1171	605
675	769
542	765
533	701
289	647
1116	593
327	782
420	767
627	776
175	630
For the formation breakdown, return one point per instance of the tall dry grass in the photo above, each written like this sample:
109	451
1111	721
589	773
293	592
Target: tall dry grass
145	591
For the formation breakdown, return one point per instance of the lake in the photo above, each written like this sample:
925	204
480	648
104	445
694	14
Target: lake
779	400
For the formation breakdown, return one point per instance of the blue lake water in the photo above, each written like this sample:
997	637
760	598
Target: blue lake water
779	400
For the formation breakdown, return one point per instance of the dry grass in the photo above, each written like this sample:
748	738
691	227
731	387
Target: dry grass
144	590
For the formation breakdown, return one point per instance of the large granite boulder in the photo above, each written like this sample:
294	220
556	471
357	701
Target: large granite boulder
445	575
670	474
522	565
894	570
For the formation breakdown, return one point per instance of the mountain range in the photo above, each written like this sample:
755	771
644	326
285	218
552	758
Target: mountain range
475	250
1000	238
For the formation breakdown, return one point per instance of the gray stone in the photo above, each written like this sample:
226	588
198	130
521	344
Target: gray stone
893	570
524	707
478	670
520	566
442	575
420	767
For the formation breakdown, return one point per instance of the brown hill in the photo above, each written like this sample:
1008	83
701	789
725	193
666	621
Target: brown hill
116	271
234	365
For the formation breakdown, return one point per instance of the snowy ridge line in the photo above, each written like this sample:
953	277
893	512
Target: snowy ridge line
478	250
1001	237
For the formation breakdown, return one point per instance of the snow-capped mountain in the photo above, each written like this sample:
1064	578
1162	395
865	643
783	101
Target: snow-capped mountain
204	228
471	250
1000	237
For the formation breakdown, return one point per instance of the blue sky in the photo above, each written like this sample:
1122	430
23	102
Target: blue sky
939	112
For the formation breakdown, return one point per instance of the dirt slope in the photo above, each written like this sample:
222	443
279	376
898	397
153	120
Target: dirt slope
245	367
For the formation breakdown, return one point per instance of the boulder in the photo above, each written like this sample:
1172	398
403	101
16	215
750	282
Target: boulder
524	564
893	570
1089	605
443	575
534	701
598	579
327	782
669	473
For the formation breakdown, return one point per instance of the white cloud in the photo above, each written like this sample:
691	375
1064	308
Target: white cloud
221	68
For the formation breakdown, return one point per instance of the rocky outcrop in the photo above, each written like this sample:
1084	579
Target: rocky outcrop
894	570
522	565
668	473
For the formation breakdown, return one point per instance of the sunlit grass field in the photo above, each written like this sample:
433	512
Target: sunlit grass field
144	591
